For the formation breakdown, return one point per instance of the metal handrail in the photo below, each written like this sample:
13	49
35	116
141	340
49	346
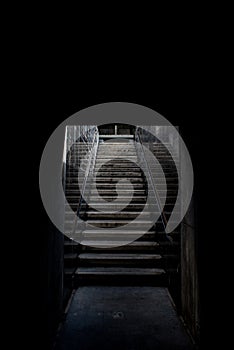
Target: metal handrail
163	217
87	172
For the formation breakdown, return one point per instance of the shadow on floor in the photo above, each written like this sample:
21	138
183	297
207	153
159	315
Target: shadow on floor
131	318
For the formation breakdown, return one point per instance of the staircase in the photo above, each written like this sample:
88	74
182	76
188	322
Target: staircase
152	258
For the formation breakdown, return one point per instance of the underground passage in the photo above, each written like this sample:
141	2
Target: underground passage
122	279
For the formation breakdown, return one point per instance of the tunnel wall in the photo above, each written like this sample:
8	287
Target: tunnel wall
190	300
51	278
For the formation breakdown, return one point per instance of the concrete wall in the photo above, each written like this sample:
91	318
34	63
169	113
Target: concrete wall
190	300
51	281
51	267
55	280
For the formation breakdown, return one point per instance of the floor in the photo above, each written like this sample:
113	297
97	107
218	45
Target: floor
131	318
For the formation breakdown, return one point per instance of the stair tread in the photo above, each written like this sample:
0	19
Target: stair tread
113	231
118	256
118	212
112	243
119	271
119	191
124	221
110	204
126	199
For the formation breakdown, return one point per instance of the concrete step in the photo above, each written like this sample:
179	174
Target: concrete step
117	177
133	258
136	246
117	171
115	235
118	144
121	152
114	223
113	157
114	166
110	245
114	150
119	174
119	206
144	248
118	237
121	192
123	146
112	185
117	275
107	186
113	154
126	215
117	257
108	179
117	166
118	215
110	198
120	259
118	161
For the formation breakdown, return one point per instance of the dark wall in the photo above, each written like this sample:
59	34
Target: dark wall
51	282
190	300
51	245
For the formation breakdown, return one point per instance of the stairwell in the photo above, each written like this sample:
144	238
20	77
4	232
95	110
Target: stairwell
152	259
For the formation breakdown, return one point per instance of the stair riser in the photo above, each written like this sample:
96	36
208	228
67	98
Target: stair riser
139	250
117	224
111	206
99	216
121	280
117	216
104	184
124	248
129	263
138	199
120	191
121	228
122	258
108	187
120	174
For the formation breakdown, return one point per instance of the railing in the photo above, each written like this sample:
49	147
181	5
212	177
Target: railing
88	173
80	148
142	156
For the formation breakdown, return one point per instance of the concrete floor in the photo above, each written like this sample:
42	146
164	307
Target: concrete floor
131	318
